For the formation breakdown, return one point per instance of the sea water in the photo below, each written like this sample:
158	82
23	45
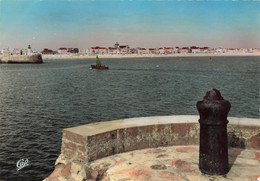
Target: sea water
37	101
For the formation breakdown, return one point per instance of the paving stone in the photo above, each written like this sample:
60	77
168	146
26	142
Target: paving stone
232	174
162	155
124	179
246	162
245	171
248	154
185	149
235	152
158	167
184	156
104	179
169	164
184	166
55	173
254	177
119	162
166	175
155	151
257	156
197	178
119	177
235	179
66	171
137	173
142	174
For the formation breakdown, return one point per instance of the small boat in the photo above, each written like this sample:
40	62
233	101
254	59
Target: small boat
98	65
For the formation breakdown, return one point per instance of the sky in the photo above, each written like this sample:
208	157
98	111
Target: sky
138	23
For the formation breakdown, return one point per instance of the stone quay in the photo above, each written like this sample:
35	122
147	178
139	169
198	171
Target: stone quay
153	148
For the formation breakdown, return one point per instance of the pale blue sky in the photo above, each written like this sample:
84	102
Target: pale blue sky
85	23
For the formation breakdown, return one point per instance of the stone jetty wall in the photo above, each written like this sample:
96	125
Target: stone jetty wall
37	58
84	144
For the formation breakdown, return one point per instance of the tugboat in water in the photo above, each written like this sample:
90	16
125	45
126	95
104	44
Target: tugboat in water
98	65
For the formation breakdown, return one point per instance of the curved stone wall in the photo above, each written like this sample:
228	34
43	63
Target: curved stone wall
84	144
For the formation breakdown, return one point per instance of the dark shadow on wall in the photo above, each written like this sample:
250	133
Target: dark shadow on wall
236	146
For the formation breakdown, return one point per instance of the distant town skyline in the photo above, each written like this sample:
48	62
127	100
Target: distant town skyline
84	23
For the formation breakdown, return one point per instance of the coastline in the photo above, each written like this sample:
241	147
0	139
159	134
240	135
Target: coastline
144	56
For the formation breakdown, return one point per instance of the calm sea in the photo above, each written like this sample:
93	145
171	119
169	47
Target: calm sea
38	101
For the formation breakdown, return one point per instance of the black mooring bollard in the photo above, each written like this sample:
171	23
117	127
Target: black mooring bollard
213	110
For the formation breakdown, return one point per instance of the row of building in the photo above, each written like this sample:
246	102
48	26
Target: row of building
125	49
164	50
17	51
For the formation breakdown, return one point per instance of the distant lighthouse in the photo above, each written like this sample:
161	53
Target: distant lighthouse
29	50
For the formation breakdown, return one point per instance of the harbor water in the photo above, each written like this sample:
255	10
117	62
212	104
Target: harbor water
37	101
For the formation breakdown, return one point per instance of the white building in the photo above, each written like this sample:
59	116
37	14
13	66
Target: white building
112	50
141	51
219	50
195	49
16	51
63	51
204	50
5	51
176	50
161	50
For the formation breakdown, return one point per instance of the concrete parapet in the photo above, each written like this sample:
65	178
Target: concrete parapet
83	144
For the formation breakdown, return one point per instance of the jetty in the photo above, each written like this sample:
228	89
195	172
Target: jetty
22	57
18	59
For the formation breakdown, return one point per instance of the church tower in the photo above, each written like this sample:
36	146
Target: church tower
116	45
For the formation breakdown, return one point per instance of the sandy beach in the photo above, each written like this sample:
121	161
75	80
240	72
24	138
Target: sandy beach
119	56
143	56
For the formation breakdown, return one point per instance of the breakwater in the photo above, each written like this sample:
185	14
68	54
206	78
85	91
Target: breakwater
37	58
